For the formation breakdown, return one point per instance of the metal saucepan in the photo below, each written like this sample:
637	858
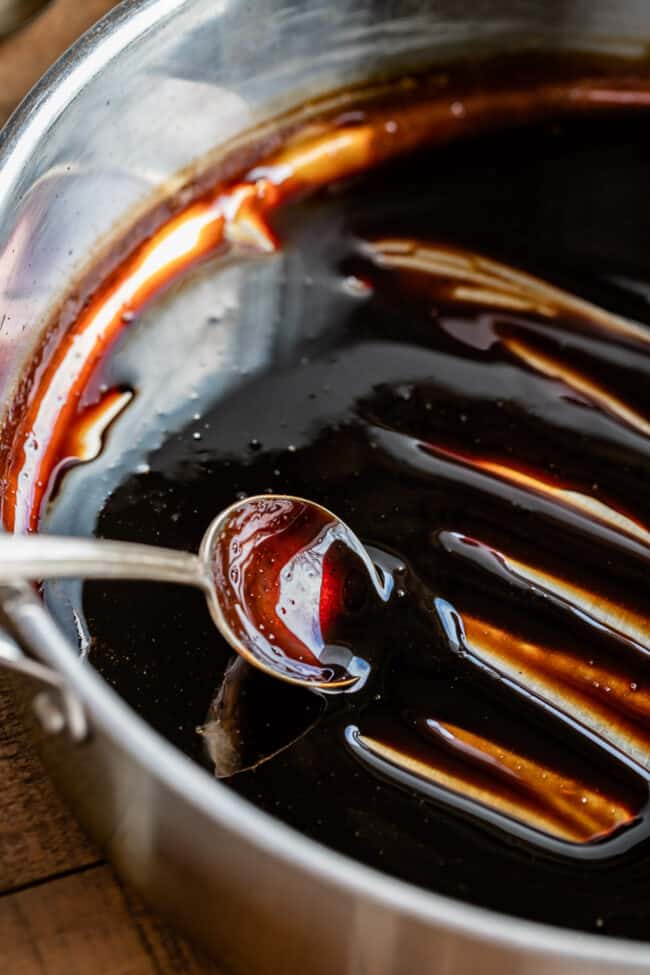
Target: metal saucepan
150	90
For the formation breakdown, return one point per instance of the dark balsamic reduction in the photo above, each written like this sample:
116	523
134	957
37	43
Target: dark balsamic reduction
295	590
485	437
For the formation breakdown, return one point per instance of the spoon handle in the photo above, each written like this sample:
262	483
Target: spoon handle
34	557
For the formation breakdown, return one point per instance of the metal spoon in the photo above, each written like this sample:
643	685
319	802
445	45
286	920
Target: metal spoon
278	573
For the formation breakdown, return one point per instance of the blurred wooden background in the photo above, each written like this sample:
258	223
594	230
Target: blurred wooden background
25	55
62	911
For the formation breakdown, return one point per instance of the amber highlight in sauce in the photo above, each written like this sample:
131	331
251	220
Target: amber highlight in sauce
551	742
460	374
503	780
234	216
287	575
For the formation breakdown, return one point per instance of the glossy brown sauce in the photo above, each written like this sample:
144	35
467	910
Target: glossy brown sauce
290	578
232	218
477	410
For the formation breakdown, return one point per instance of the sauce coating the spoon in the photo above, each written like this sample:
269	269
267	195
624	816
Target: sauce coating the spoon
461	374
288	576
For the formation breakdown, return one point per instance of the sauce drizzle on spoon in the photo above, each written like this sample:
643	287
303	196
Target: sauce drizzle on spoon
288	576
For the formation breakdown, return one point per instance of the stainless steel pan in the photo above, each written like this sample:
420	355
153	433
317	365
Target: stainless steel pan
151	89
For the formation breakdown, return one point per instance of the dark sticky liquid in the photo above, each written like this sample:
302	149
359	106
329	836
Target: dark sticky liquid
294	589
489	442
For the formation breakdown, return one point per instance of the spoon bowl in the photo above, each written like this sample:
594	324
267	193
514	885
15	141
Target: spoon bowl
281	576
283	573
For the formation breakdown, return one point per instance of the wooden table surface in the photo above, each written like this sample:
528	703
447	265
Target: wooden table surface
62	910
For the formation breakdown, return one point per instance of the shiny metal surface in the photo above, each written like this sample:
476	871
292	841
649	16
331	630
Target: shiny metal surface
33	558
30	557
149	91
57	707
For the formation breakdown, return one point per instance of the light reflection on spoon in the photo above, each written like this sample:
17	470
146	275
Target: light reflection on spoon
282	576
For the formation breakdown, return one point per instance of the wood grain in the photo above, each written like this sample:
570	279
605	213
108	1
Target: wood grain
84	923
62	910
38	838
71	925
